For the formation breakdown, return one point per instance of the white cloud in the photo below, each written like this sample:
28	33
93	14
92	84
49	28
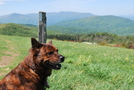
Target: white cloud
4	1
1	3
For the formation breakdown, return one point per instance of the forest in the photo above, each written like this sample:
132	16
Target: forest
93	37
100	38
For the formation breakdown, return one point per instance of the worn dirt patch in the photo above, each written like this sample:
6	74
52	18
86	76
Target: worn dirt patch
6	60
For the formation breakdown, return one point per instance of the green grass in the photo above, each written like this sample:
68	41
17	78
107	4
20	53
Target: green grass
86	67
16	45
3	47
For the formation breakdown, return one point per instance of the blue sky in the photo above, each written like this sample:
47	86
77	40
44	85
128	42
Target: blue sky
97	7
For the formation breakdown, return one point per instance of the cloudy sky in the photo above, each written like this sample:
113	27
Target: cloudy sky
97	7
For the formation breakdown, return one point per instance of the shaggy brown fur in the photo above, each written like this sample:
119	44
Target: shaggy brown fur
32	73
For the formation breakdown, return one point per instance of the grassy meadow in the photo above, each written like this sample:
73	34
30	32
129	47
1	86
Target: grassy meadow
86	67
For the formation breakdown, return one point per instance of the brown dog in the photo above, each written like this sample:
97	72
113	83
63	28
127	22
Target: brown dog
32	73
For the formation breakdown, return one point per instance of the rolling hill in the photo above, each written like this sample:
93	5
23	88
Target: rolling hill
17	30
25	30
110	24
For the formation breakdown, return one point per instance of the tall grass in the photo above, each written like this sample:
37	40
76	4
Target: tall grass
86	67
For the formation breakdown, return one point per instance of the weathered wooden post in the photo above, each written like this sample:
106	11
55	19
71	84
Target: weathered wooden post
42	34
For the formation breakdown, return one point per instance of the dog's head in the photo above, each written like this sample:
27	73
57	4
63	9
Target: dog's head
46	54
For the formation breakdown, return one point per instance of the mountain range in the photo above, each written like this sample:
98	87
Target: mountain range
111	24
52	18
75	23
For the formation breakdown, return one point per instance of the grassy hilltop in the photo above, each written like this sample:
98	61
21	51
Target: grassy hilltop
12	29
86	67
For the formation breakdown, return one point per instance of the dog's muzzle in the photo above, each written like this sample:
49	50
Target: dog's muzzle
56	66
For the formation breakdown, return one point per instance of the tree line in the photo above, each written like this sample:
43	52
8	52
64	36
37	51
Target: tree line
93	37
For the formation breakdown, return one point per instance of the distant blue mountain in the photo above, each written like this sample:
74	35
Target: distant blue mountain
19	19
128	16
52	18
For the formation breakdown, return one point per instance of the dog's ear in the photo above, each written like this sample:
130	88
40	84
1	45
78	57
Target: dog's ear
50	42
35	43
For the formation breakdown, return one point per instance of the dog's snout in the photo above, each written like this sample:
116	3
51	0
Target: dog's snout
62	58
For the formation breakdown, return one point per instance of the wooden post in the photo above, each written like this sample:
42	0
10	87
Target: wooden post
42	34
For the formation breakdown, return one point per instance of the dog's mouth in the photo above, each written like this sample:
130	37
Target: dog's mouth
54	66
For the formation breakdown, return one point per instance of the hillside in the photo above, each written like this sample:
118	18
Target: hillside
52	18
69	30
110	24
25	30
86	66
17	30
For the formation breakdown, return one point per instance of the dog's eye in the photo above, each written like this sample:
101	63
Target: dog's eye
56	50
50	53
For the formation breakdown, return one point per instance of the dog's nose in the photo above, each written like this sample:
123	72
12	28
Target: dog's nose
62	58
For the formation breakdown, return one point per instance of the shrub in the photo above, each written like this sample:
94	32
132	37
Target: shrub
103	43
